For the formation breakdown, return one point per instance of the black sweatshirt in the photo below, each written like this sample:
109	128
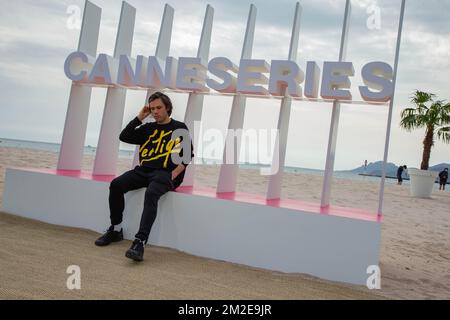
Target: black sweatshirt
156	143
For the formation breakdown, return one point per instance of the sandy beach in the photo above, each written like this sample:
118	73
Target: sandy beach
414	258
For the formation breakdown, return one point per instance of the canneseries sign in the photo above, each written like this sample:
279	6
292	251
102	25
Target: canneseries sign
331	81
250	77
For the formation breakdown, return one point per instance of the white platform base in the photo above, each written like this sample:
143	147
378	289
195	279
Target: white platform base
324	245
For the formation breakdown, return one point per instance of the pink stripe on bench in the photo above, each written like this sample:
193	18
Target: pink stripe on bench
351	213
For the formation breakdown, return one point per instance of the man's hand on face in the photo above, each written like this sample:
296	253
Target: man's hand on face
144	113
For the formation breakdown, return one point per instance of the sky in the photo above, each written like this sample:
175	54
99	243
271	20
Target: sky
36	36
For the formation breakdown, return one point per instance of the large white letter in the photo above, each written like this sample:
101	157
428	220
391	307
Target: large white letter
312	80
103	71
128	77
77	66
251	73
336	77
155	76
377	75
219	67
285	73
191	74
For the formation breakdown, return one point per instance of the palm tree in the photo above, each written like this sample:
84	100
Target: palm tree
435	119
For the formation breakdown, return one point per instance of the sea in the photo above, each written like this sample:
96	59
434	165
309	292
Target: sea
129	154
54	147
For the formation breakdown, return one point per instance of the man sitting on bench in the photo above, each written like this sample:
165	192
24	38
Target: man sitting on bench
161	169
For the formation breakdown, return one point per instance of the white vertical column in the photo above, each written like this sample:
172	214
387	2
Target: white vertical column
332	138
72	144
279	154
391	107
108	142
195	101
162	52
228	171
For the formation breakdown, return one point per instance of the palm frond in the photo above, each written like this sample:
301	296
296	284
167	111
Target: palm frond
438	114
444	114
444	134
408	112
419	98
412	121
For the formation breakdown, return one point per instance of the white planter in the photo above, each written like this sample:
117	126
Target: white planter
422	182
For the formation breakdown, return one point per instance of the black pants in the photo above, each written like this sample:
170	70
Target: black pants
157	182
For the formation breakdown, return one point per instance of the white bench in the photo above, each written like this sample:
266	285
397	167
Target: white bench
285	235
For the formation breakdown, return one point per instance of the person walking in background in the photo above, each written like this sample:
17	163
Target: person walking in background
443	176
399	174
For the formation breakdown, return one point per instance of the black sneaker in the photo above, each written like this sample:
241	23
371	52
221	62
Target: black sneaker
109	236
136	252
